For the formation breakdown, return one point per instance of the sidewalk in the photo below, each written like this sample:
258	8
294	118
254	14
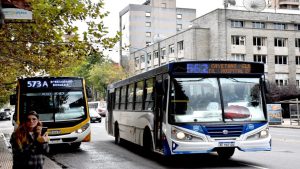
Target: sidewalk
6	157
286	124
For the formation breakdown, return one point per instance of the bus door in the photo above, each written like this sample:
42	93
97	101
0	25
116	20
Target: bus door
161	85
110	105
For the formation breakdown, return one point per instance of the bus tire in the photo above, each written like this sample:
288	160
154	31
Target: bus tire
117	135
75	145
147	140
225	153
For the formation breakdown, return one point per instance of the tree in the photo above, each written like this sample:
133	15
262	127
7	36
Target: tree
50	44
105	73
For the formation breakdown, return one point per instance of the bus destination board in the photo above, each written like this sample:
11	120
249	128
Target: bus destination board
52	83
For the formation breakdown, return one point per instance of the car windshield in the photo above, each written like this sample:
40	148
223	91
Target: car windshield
58	106
199	100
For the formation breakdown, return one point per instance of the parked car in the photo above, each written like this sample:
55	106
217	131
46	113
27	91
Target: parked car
5	114
95	116
99	106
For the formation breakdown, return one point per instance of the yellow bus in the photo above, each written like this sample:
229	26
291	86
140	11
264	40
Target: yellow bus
61	103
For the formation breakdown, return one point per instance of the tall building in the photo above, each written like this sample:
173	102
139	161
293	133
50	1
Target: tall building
224	34
285	4
144	24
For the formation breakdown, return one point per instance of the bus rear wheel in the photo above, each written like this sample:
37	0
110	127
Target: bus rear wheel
225	153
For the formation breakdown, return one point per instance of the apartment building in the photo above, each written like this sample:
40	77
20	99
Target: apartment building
144	24
285	4
225	34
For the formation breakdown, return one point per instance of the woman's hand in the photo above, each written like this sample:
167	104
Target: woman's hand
43	139
39	130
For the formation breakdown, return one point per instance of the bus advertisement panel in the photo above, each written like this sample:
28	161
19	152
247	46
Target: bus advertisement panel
192	107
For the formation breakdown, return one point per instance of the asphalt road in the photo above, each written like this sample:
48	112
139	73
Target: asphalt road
101	152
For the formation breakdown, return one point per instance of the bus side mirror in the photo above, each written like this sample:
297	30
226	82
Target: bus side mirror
89	92
13	99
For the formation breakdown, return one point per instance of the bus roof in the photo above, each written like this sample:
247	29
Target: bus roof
207	68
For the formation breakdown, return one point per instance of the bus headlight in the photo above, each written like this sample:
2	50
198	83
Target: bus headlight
180	135
83	128
260	135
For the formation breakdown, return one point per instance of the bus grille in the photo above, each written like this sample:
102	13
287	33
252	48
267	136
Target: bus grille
224	130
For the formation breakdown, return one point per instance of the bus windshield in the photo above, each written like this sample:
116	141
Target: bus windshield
216	100
56	106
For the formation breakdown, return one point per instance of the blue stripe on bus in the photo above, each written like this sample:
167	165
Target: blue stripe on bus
234	130
166	148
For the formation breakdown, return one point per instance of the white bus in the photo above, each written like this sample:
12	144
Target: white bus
192	107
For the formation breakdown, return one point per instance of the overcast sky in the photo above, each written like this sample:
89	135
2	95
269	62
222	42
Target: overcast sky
115	6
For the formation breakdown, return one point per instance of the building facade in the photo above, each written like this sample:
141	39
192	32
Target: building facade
142	25
224	34
285	4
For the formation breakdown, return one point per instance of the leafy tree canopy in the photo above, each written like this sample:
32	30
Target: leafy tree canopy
51	44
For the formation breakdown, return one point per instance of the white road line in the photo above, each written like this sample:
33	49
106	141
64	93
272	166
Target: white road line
254	166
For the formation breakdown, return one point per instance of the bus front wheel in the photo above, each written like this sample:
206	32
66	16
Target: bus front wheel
225	153
147	140
117	135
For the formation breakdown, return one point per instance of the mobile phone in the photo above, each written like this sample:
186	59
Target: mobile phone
44	129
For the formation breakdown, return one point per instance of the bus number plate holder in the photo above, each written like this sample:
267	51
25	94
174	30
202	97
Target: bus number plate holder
226	144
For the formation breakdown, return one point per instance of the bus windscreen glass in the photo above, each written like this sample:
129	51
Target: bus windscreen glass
199	100
55	106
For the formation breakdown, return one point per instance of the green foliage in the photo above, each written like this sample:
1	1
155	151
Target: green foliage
50	44
105	73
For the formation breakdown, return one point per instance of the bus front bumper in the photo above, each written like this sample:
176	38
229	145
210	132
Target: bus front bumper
70	138
179	147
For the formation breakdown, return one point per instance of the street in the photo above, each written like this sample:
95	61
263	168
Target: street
101	152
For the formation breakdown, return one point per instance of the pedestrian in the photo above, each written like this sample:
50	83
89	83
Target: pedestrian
28	143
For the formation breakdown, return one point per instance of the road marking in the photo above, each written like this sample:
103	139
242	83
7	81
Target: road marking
253	166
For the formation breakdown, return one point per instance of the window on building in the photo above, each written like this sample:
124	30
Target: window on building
258	25
148	43
237	57
297	43
180	46
136	62
281	82
280	26
163	53
148	24
280	42
298	83
259	41
238	40
163	5
281	60
142	59
171	48
260	58
297	27
179	16
297	58
179	27
155	54
148	14
149	58
148	34
237	24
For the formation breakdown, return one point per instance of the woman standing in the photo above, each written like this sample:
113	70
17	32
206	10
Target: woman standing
28	144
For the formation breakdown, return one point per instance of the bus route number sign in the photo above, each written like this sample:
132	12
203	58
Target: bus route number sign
223	68
37	84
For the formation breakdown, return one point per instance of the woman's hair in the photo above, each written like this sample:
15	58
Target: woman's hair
21	133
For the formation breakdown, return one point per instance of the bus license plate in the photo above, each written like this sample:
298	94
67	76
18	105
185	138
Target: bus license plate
54	132
226	144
